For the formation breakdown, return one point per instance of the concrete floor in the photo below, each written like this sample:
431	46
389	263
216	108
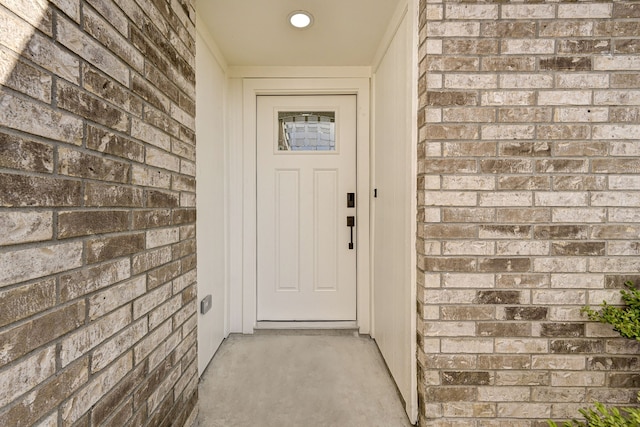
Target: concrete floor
299	378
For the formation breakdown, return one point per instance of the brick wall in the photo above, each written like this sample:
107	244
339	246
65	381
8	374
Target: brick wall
529	207
97	213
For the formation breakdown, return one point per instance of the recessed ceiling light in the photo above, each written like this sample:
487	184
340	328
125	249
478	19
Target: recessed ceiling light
300	19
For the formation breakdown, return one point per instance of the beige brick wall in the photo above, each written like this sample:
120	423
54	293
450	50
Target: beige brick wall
529	207
97	213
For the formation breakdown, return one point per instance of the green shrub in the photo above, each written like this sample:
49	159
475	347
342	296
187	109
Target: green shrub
600	416
625	321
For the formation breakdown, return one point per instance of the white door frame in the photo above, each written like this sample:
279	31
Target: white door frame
251	88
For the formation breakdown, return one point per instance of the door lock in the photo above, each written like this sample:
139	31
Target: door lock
351	222
351	200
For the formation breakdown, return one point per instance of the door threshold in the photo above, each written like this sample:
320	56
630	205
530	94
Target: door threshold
264	325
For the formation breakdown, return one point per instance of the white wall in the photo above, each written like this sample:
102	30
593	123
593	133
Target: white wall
211	196
393	209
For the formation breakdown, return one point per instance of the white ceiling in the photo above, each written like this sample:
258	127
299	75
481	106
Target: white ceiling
257	33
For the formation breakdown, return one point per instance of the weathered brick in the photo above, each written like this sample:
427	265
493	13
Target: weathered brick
182	249
579	182
77	110
164	350
499	166
111	143
524	183
152	218
451	98
569	330
18	35
555	297
572	346
526	11
25	264
183	216
28	373
521	378
86	47
615	198
566	28
497	297
560	264
503	394
511	97
526	81
565	97
23	191
107	404
561	166
163	274
113	247
103	195
519	198
589	10
625	80
525	114
503	329
467	46
88	280
613	232
116	296
152	341
83	339
110	350
97	387
450	264
161	199
613	363
23	339
578	248
505	362
521	345
37	403
74	100
24	301
525	247
525	313
578	63
527	46
109	90
83	223
468	214
104	33
465	378
24	154
501	29
582	81
526	215
24	227
518	281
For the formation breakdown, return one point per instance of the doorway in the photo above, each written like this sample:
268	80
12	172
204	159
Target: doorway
246	206
306	188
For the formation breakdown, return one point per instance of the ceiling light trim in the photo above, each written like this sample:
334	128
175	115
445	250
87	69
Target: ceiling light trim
300	19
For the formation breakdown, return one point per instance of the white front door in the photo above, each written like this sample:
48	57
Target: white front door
306	167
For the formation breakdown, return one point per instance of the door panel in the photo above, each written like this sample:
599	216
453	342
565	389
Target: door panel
306	157
287	230
325	209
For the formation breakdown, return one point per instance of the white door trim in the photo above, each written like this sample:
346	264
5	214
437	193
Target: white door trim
336	86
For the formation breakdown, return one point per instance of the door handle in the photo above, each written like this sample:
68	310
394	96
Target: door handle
351	222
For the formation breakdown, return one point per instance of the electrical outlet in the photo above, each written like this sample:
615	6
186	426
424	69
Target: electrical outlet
205	304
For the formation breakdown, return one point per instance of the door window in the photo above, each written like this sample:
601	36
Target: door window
306	131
